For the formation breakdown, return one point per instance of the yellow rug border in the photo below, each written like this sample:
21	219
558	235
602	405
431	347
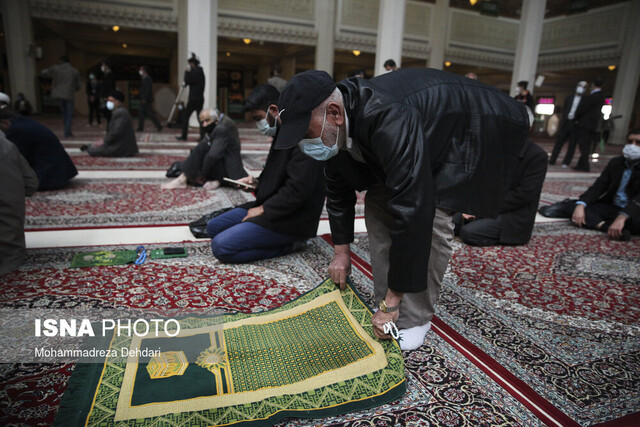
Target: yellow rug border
372	363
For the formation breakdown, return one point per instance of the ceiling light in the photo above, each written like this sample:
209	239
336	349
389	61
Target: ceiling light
356	52
124	45
115	28
228	53
246	41
447	63
473	2
611	67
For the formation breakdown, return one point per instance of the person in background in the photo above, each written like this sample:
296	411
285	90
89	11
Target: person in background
108	86
65	83
18	180
612	203
120	140
40	147
567	126
93	91
514	223
523	95
194	78
289	197
146	100
276	79
216	157
390	65
586	120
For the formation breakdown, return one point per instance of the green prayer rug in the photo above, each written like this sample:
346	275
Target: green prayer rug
126	256
313	357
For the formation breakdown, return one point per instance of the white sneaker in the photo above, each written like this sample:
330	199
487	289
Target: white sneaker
564	166
412	338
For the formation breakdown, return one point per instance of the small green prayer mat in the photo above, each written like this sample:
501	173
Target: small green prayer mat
120	257
313	357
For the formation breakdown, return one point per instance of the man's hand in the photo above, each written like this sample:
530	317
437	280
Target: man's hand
340	267
467	217
379	319
578	215
256	211
615	229
249	180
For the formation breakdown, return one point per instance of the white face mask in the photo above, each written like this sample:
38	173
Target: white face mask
110	105
631	152
140	72
315	148
265	129
102	69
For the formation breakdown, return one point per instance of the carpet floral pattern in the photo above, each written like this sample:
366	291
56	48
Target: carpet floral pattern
557	189
139	162
444	388
561	314
124	202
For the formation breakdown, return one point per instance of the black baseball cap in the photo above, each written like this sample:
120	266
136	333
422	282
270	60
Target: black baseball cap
303	93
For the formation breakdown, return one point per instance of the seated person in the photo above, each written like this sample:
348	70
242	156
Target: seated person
40	147
612	203
18	180
289	198
217	156
514	223
120	140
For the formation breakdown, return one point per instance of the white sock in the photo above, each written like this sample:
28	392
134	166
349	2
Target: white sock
412	338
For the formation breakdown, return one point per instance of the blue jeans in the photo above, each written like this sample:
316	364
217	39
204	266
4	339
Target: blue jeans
235	241
66	108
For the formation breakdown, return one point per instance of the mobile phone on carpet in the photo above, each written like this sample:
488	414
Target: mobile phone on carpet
173	251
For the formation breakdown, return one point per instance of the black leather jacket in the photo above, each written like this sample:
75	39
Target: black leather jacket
433	139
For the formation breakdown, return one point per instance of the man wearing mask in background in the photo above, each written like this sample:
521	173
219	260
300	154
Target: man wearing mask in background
120	140
146	100
108	86
194	78
612	203
289	197
566	131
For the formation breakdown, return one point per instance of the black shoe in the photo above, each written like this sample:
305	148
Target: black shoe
626	235
552	163
179	138
84	147
577	169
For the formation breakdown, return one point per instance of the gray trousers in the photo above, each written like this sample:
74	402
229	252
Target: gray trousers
416	308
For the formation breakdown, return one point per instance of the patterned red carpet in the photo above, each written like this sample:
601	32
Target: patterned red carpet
558	319
443	386
124	202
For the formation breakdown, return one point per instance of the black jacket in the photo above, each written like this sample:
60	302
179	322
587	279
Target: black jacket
521	203
606	186
146	89
291	192
108	84
223	156
433	139
43	151
589	111
120	140
194	78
